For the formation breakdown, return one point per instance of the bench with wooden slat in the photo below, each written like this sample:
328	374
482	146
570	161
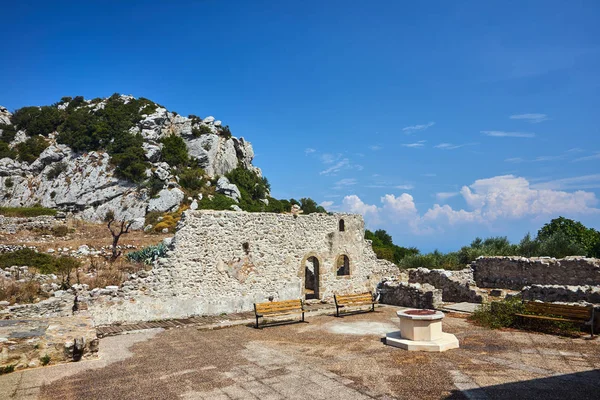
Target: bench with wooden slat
559	312
278	308
353	300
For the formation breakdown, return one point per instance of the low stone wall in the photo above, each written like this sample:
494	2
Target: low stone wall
456	286
562	293
412	295
53	307
516	272
14	224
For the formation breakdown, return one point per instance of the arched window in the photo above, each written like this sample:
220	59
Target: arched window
342	226
342	265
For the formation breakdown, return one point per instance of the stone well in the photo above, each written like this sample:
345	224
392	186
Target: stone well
421	330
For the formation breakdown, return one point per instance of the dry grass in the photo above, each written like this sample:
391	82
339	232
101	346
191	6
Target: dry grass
20	292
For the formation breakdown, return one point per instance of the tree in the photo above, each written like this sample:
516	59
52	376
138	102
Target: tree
123	228
571	231
310	206
174	151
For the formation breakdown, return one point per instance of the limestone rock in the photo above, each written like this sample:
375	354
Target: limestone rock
167	200
4	116
228	189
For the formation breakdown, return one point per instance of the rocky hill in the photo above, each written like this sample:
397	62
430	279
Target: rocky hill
126	155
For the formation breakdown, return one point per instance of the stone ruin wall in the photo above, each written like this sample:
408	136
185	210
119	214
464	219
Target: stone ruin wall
224	261
456	286
517	272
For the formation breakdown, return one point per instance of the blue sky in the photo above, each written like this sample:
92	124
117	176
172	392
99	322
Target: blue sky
439	121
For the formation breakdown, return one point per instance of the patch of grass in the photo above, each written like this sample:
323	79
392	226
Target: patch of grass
56	170
498	314
7	369
20	292
45	360
35	211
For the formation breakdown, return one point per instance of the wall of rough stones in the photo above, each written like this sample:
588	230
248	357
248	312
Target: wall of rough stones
413	295
562	293
456	286
14	224
223	261
516	272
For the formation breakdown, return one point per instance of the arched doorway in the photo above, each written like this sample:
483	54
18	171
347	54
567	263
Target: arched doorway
311	278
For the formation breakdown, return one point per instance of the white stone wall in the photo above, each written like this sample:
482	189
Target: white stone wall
210	270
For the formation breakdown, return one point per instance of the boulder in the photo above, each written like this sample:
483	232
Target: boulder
228	189
4	116
167	200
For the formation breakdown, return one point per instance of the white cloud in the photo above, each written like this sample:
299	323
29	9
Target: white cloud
309	150
354	204
337	167
328	158
508	134
404	187
442	196
375	147
418	144
515	160
504	197
326	204
588	158
344	183
576	182
532	118
450	146
416	128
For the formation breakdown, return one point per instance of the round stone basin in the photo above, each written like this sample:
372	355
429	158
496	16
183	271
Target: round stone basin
421	325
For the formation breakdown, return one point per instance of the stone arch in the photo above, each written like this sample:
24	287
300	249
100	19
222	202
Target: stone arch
311	276
342	265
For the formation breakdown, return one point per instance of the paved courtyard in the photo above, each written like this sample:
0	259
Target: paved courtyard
326	358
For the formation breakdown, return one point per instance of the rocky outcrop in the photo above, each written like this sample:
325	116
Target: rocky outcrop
86	184
228	189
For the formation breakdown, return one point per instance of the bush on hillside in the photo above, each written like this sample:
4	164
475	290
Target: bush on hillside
192	178
201	130
7	152
56	170
8	133
35	211
29	150
224	131
174	151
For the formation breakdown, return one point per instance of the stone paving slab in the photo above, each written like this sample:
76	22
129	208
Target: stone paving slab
320	360
461	307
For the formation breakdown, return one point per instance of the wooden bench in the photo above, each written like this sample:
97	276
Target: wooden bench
353	300
278	308
559	312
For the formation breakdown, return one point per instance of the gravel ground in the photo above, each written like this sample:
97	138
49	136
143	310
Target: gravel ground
326	358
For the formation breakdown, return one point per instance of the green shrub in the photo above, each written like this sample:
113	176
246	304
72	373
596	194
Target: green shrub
6	151
201	130
56	170
148	254
174	151
251	186
31	149
26	211
129	157
8	133
498	314
7	369
45	360
9	182
309	206
44	262
218	202
38	120
224	131
192	178
154	185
